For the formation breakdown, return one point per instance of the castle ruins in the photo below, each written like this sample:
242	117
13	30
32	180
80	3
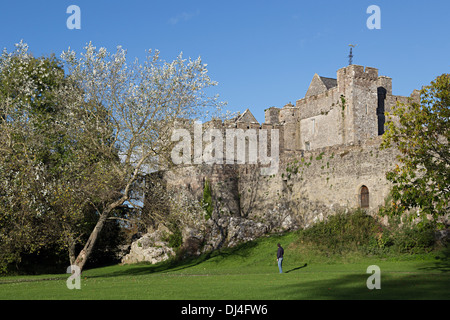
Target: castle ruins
329	161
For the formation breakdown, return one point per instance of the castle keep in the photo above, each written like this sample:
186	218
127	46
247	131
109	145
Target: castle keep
329	161
346	110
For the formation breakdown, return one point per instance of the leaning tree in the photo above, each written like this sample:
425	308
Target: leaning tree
143	102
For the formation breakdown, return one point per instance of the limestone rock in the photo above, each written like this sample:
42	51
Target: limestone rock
149	248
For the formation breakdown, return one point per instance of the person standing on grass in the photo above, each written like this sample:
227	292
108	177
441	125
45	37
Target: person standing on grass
280	254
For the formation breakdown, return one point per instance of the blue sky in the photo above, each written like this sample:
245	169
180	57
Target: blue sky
262	53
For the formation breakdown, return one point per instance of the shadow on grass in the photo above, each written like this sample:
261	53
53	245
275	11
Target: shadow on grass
176	264
442	262
303	266
394	286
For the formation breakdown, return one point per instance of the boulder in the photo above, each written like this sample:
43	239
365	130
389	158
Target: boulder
149	248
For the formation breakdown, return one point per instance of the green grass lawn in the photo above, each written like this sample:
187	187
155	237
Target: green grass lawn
248	272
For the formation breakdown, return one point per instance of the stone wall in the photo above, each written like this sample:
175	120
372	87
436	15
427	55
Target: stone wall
323	130
308	187
329	149
319	183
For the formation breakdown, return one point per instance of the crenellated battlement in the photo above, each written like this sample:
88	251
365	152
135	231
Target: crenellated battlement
361	72
344	110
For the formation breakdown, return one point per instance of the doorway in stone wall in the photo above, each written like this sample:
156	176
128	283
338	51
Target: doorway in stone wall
364	197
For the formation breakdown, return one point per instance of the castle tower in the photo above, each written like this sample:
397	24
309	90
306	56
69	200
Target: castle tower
347	110
367	96
357	87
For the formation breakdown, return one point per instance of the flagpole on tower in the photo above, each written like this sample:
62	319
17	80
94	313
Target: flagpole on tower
350	56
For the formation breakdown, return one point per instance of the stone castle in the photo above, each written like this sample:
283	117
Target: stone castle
329	161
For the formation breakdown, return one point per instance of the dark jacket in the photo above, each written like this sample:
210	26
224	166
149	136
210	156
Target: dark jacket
280	253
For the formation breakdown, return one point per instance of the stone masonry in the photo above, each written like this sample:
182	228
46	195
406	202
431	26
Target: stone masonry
329	161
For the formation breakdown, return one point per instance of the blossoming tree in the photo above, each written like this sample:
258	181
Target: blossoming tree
143	101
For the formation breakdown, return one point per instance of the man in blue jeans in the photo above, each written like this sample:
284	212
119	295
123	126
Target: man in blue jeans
280	254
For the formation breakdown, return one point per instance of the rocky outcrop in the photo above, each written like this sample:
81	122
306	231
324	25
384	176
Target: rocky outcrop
229	231
213	234
149	248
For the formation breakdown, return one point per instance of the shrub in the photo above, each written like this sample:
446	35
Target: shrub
357	231
414	238
342	232
175	239
207	200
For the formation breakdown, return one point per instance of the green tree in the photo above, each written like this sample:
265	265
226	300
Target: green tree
47	162
144	101
420	131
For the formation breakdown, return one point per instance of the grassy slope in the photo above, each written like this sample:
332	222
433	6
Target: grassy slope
248	272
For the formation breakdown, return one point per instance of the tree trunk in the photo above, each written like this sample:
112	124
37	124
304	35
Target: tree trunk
84	254
72	256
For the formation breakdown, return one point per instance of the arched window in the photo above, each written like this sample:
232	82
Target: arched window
364	197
